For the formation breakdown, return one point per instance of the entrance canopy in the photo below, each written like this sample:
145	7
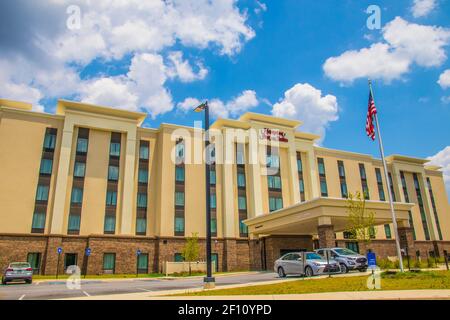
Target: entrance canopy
304	218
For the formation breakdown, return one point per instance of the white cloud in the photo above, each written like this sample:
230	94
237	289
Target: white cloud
405	43
421	44
422	8
377	61
142	87
246	100
188	104
52	55
445	99
444	79
442	159
183	70
306	103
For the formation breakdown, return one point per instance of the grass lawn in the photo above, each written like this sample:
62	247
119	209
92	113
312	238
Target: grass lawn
398	281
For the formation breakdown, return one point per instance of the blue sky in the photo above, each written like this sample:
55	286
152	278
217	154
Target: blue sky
308	60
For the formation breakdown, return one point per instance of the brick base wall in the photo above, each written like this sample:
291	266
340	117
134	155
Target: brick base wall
233	254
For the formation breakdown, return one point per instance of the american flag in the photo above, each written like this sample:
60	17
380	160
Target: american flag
370	129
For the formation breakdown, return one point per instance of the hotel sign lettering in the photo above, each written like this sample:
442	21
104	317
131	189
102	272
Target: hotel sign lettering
273	135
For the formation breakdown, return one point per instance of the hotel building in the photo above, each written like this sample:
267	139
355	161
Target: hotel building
93	177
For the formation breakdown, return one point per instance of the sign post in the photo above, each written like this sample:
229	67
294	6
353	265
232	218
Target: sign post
59	251
138	253
87	253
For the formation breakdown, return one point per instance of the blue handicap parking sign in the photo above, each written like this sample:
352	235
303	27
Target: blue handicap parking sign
371	260
138	252
88	252
59	250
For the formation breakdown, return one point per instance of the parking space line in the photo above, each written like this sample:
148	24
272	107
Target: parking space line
87	294
21	297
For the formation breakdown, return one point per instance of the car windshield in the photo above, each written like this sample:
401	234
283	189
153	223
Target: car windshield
19	265
313	256
345	252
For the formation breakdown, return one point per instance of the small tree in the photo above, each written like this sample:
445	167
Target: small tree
191	250
361	222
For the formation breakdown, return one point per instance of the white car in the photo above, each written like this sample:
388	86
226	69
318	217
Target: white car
314	264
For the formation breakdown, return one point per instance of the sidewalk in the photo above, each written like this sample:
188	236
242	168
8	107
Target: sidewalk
356	295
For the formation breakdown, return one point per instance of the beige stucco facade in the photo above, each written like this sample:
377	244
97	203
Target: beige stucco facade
22	134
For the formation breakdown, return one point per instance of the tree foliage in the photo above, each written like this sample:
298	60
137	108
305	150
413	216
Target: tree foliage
191	250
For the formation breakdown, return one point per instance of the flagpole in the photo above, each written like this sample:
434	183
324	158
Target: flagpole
386	177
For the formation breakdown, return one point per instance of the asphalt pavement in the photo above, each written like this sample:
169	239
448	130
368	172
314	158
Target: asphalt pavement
58	289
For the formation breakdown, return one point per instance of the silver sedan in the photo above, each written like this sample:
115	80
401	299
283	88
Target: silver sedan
314	264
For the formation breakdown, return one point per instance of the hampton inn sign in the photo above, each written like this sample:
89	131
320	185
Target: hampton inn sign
273	135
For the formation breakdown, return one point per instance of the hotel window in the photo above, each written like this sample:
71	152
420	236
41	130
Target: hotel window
82	145
243	229
42	193
179	198
214	226
405	194
242	203
143	176
109	262
49	140
380	184
144	152
342	180
241	189
301	183
372	232
34	259
179	150
77	196
273	161
38	222
241	180
275	203
433	204
178	257
213	201
79	170
111	198
179	225
46	167
212	176
421	207
141	225
114	149
240	154
387	231
110	224
274	182
74	222
322	177
113	173
365	188
142	200
391	186
179	174
142	263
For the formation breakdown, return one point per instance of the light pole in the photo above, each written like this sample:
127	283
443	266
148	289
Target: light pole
208	281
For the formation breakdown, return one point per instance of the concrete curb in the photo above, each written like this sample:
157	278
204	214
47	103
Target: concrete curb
38	281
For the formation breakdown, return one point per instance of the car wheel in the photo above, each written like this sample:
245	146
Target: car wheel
344	268
4	282
281	273
363	270
309	271
29	281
